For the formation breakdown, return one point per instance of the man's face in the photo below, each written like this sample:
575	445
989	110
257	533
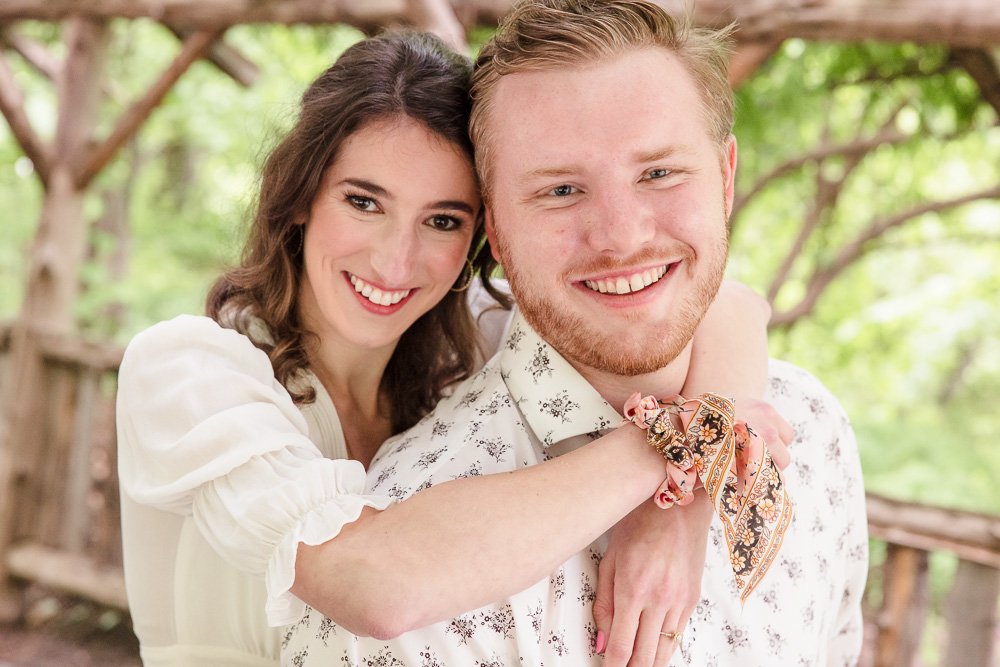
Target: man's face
610	206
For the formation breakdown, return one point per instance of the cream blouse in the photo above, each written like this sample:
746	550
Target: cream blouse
222	476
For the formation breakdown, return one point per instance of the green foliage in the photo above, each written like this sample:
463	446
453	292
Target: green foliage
908	336
189	176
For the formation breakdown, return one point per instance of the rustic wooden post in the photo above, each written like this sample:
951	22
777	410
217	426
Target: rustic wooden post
58	251
53	276
904	606
971	613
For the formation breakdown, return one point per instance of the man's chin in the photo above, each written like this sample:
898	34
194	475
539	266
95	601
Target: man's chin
627	351
625	360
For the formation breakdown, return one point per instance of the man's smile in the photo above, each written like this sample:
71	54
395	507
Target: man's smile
629	283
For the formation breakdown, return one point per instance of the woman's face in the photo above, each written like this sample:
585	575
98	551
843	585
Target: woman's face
388	233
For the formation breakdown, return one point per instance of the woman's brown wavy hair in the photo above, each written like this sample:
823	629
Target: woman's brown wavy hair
394	74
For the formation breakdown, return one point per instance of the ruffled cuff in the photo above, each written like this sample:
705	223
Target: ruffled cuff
319	525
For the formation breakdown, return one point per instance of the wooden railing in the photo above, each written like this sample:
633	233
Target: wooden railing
65	532
911	533
67	535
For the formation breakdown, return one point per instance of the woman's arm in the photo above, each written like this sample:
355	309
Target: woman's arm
205	430
468	542
640	592
729	354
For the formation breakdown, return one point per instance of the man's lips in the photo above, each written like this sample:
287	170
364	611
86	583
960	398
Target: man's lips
629	283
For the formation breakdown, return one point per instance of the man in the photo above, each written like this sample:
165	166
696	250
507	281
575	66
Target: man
604	147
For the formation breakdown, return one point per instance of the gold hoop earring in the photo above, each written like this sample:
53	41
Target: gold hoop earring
302	239
467	269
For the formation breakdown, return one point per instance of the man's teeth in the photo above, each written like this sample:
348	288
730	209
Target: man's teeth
627	284
375	295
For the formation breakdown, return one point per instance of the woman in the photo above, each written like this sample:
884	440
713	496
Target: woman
243	436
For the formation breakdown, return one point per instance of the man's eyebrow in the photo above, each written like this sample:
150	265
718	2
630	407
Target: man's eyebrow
646	156
664	153
548	172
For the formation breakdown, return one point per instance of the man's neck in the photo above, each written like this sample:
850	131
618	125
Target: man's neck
615	389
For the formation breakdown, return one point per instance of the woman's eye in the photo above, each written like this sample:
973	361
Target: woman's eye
653	174
562	190
444	223
366	204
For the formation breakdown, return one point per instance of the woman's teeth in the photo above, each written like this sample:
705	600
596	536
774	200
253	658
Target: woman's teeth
627	284
375	295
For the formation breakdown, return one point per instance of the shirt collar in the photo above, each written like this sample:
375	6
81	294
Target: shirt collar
556	401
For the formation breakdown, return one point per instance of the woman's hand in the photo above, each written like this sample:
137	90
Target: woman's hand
649	582
765	421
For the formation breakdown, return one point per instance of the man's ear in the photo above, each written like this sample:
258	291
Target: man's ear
729	172
491	233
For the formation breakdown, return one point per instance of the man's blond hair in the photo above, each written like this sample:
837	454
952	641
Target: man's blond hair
542	35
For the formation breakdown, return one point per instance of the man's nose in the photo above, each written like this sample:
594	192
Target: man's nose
620	222
395	254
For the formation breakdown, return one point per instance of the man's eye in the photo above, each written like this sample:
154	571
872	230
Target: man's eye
653	174
366	204
445	223
562	190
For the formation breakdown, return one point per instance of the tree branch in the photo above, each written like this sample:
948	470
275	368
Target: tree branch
12	107
227	58
982	67
858	147
827	193
34	54
952	383
854	249
748	58
194	48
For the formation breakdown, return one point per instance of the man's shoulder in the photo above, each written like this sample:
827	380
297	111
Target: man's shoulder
825	444
478	415
797	393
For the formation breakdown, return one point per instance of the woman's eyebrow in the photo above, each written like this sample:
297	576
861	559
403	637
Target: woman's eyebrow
453	204
376	190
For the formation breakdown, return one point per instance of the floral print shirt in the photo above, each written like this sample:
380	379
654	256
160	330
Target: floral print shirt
527	405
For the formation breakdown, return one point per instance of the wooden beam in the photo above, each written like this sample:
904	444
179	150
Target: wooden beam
12	107
438	17
34	54
893	20
747	58
982	67
970	23
214	14
967	23
971	535
75	351
228	59
71	573
130	122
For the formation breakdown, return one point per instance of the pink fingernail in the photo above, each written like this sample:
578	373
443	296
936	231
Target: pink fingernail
599	642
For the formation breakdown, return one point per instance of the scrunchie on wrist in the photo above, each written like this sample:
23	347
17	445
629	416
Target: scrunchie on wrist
701	442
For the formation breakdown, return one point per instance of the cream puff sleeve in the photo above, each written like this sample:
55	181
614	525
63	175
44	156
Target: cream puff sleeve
205	430
491	318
